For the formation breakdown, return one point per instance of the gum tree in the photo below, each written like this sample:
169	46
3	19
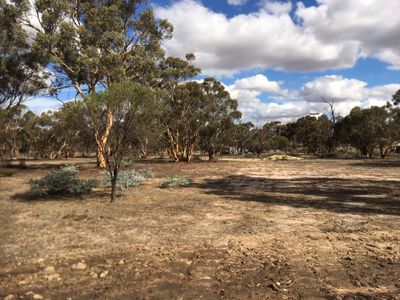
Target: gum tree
91	45
130	103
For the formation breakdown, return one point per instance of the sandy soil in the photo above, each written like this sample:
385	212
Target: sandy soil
246	229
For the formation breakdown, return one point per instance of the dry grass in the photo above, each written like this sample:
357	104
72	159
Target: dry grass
245	229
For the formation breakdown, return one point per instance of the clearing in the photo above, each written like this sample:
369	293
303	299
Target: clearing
246	229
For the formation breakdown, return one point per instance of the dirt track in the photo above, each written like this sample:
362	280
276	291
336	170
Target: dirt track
251	229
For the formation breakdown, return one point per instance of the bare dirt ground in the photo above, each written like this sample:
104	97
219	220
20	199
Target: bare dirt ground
246	229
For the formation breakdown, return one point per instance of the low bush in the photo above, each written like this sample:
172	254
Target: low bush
61	182
7	172
175	180
129	178
148	173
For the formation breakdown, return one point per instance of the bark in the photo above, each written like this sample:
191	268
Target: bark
143	147
114	179
384	151
211	152
101	140
211	157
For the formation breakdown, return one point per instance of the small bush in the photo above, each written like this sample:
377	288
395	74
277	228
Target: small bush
7	172
148	173
61	182
129	178
175	180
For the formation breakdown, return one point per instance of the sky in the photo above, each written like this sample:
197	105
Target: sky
279	59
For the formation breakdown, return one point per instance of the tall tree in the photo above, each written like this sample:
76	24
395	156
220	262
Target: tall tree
130	103
21	71
92	44
220	114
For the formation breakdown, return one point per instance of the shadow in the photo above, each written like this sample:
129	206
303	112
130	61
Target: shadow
338	195
26	197
378	164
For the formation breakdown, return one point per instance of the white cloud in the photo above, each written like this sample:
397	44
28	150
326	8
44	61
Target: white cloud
347	94
265	39
372	23
332	34
259	83
333	87
41	104
237	2
277	7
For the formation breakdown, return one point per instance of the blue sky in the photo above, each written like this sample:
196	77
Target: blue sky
279	58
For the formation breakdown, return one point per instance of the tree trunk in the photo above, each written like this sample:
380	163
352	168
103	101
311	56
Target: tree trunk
114	180
384	151
211	152
101	140
370	152
143	147
101	161
211	156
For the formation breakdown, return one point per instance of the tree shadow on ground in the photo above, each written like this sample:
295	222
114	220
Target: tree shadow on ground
378	164
332	194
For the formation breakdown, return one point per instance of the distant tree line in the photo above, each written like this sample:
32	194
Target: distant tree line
68	132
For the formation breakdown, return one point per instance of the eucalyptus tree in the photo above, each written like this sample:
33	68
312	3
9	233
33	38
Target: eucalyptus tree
366	129
21	71
130	104
221	112
90	45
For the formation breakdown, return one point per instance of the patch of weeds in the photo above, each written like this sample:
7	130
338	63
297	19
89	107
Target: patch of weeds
175	180
61	182
148	173
129	178
7	172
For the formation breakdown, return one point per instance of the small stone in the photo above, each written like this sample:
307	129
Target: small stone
121	262
40	260
9	297
50	269
103	274
29	293
22	282
93	274
79	266
37	297
53	276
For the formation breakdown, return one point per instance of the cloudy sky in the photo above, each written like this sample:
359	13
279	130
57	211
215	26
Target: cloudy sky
280	58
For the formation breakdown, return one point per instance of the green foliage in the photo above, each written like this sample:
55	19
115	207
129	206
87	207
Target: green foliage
148	173
125	179
396	98
280	142
61	182
98	43
21	73
129	178
7	172
366	129
175	180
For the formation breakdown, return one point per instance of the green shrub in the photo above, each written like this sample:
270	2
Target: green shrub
148	173
61	182
175	180
7	172
129	178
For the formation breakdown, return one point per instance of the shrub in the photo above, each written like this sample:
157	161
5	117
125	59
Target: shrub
129	178
7	172
175	180
148	173
61	182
